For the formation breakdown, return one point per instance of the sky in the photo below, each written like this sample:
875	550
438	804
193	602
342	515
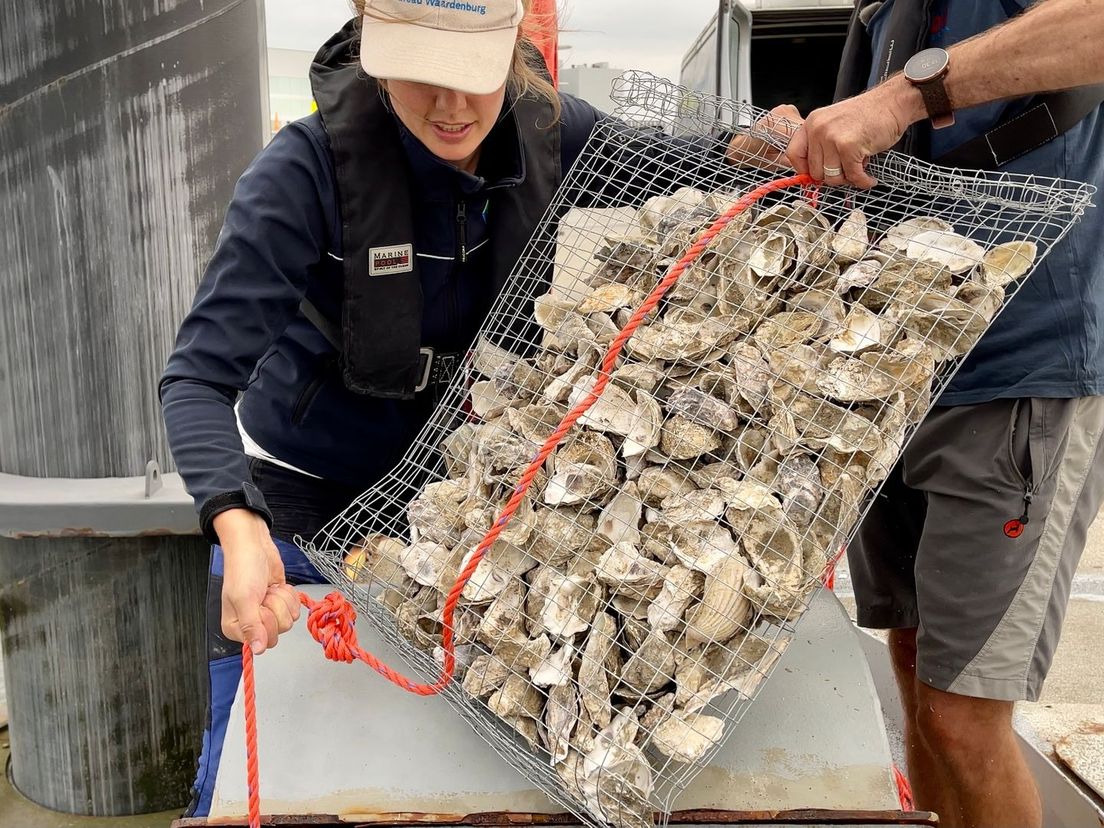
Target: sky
651	35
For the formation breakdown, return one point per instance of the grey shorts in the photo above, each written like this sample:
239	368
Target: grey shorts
943	549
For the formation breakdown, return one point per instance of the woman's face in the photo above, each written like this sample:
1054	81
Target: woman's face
451	124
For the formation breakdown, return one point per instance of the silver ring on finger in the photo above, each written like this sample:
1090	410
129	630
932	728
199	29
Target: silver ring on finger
833	171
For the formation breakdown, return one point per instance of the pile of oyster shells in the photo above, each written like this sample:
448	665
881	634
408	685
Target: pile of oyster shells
700	498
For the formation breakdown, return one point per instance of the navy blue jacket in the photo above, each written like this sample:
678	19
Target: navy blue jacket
282	240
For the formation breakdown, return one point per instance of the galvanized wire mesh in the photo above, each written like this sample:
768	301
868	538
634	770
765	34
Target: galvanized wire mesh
628	615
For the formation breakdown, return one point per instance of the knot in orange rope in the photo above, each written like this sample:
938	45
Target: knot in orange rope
331	623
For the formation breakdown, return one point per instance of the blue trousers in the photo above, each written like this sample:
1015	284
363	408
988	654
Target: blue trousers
300	506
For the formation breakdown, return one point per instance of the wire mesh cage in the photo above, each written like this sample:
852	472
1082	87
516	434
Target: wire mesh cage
672	420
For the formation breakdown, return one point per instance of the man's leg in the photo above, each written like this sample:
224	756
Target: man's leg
990	601
932	788
979	757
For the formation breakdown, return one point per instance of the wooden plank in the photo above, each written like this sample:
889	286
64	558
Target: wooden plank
512	820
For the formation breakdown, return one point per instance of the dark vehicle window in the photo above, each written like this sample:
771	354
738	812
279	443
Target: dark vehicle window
782	52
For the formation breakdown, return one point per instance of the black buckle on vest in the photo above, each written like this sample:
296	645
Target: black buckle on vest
425	369
436	369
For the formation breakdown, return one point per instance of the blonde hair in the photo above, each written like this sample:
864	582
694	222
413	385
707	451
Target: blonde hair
524	78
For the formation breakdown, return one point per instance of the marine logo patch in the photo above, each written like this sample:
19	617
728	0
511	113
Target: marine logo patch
387	261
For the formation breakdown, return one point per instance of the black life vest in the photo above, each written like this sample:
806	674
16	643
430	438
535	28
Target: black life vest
381	316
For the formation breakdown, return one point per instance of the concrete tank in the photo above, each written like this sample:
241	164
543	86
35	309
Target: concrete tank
123	127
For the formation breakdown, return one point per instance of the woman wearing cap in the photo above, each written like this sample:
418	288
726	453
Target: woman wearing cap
360	253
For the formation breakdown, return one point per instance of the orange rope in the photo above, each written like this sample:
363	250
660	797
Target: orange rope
252	769
331	621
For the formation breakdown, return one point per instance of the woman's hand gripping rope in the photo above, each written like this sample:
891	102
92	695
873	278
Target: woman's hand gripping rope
332	621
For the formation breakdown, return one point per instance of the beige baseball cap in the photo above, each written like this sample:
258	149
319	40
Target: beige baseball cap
458	44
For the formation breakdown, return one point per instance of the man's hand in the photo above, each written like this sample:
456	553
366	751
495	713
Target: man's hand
257	603
835	141
758	147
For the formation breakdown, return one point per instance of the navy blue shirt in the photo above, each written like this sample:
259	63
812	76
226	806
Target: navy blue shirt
1049	341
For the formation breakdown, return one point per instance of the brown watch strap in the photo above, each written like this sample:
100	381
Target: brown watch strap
937	102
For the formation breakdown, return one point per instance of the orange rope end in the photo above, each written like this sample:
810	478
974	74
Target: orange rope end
252	767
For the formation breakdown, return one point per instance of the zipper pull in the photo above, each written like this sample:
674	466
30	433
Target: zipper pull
1015	528
462	228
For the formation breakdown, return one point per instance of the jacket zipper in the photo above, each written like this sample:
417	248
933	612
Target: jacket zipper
453	322
462	228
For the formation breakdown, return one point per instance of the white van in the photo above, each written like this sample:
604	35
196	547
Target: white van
770	52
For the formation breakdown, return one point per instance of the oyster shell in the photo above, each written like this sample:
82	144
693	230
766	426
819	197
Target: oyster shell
945	249
852	239
724	610
517	698
523	655
903	282
751	376
786	329
484	676
520	381
878	375
701	408
620	519
585	470
985	299
717	670
559	534
377	560
570	606
638	376
456	449
898	237
431	564
681	587
657	483
560	717
556	670
560	387
599	668
1008	262
609	297
694	507
646	427
504	618
502	564
862	273
613	412
687	737
683	439
801	487
535	422
651	667
860	331
551	309
818	423
626	571
776	553
437	515
616	776
487	402
680	339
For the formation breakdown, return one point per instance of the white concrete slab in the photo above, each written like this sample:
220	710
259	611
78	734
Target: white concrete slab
338	739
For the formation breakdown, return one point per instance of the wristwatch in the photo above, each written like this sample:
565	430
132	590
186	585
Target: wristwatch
925	70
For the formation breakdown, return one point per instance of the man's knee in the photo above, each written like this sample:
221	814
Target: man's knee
959	727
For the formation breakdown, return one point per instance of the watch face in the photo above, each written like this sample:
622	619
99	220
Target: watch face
926	65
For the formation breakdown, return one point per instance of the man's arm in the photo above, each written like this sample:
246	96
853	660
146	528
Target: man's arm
1056	44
